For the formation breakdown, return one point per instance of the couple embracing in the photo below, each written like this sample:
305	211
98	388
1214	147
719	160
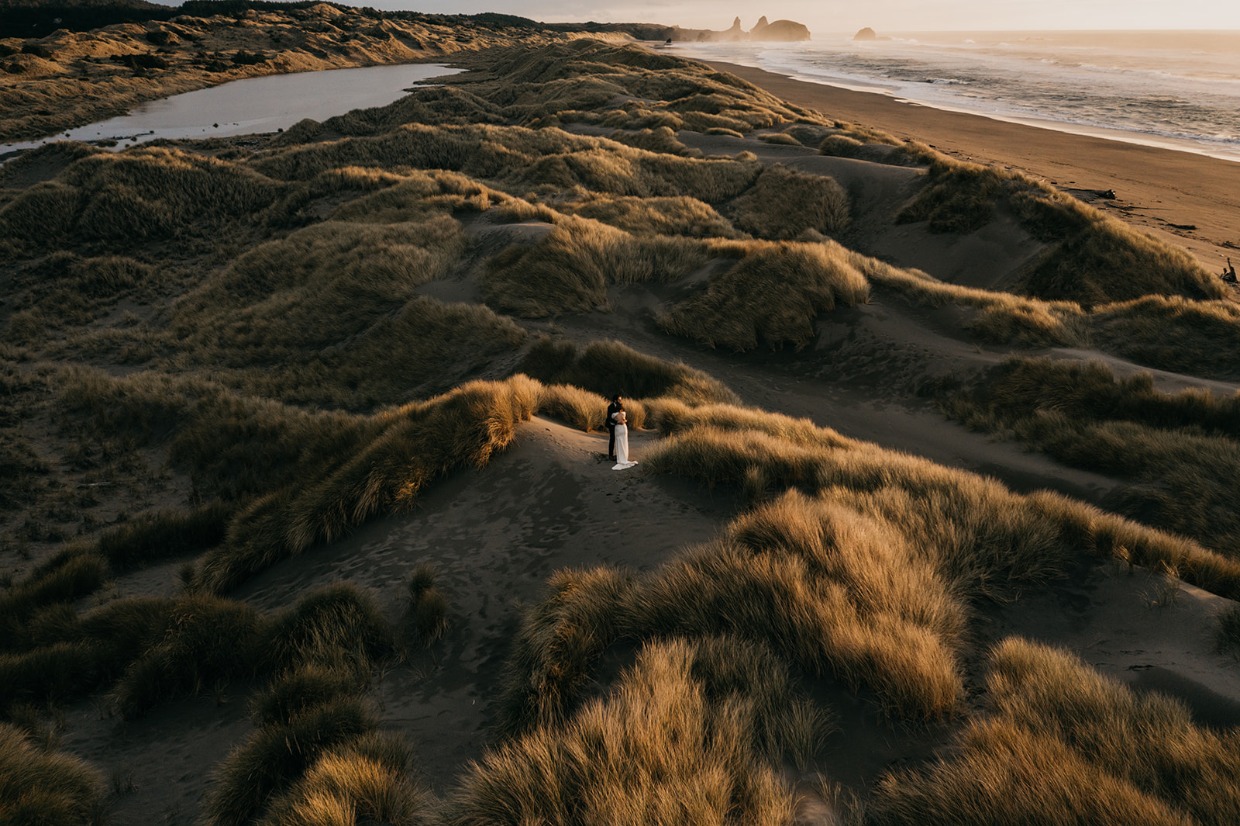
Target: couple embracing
618	426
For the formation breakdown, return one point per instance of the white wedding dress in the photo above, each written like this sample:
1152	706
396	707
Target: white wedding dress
622	447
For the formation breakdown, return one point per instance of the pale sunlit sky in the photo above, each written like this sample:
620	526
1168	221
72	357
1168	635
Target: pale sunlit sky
882	15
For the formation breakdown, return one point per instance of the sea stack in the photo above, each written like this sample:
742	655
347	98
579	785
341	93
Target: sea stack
781	30
866	34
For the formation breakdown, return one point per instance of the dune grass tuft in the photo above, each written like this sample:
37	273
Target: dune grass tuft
1180	450
40	788
662	747
359	783
772	296
1094	259
785	202
426	615
1067	745
610	367
276	756
570	270
989	539
208	640
1199	338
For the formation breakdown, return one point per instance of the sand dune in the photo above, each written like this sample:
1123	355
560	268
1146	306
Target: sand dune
311	476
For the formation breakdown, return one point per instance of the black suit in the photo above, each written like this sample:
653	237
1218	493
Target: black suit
612	409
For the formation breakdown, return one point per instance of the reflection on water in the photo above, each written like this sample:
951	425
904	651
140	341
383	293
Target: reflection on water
257	104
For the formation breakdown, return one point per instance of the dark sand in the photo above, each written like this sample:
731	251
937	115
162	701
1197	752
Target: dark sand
1160	190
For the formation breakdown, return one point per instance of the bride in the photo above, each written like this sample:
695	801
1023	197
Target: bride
622	441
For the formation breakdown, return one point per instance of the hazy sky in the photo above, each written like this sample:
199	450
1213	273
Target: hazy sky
883	15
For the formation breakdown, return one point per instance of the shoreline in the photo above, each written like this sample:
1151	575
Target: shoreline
1187	198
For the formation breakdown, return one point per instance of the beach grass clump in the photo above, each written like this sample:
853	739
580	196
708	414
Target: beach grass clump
72	573
958	197
655	749
580	409
40	787
277	756
208	641
1092	391
313	288
784	203
773	296
426	613
302	687
1107	260
333	624
365	781
321	652
160	535
1198	338
393	456
233	445
560	640
570	269
58	672
668	215
609	367
660	139
1180	450
829	589
866	145
1092	258
989	539
62	655
146	194
995	317
1065	744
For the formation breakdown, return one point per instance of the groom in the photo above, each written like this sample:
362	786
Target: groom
617	404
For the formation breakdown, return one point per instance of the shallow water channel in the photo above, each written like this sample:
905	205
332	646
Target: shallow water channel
256	104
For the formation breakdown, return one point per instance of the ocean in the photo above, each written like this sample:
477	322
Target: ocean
1179	90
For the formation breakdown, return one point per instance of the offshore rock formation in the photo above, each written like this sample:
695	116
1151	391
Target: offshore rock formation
780	30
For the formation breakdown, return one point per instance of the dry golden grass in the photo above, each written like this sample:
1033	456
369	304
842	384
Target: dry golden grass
784	203
1094	259
869	145
671	215
609	367
359	783
683	738
148	194
406	448
772	296
986	539
40	787
1180	450
276	756
1067	745
570	270
999	318
426	615
209	640
1195	337
826	587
